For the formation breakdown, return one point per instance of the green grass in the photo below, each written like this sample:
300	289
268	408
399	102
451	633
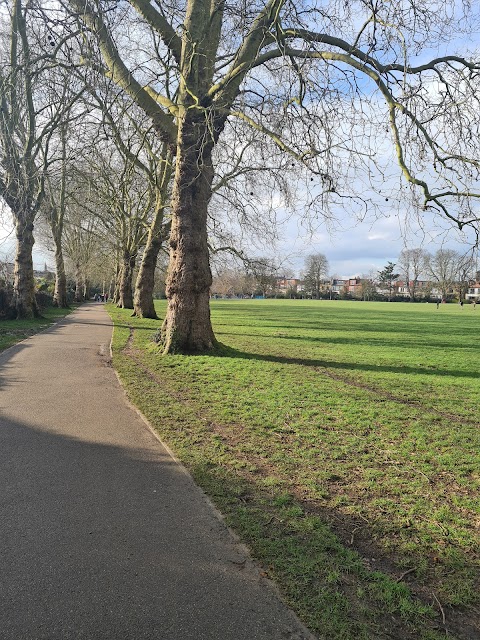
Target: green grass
13	331
341	441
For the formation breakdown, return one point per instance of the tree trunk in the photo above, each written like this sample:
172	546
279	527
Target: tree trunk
78	284
116	282
187	326
86	288
60	294
143	299
24	304
125	299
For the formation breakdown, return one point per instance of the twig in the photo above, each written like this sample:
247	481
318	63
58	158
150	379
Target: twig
405	573
353	534
441	608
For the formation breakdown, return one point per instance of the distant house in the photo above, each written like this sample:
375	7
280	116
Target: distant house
7	272
473	292
338	286
422	288
354	287
289	284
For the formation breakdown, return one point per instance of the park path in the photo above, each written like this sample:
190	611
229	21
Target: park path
103	536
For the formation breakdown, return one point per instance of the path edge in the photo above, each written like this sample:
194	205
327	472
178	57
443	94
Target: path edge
242	546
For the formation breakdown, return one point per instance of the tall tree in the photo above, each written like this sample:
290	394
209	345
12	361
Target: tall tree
292	70
445	267
21	176
316	270
30	114
387	276
411	264
264	272
131	133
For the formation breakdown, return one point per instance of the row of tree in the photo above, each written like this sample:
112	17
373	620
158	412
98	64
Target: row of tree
419	271
444	271
416	274
136	127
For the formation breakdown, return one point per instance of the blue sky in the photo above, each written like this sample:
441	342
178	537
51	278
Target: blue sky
357	249
354	249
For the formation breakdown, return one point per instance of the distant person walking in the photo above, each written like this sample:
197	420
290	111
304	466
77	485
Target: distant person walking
438	304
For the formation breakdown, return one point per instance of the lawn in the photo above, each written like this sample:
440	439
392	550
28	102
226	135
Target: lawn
341	442
13	331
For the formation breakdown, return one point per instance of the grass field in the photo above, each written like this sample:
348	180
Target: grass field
13	331
341	441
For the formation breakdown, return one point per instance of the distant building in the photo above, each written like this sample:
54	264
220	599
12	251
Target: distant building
337	286
473	292
353	286
289	284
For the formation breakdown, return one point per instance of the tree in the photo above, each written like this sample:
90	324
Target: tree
264	272
291	70
316	270
446	267
21	176
83	244
136	144
367	287
33	102
465	275
411	263
387	277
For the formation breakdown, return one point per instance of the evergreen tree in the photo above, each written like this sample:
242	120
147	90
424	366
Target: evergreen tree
387	277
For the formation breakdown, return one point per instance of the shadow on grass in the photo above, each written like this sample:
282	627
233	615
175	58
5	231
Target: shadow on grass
229	352
388	341
309	548
304	552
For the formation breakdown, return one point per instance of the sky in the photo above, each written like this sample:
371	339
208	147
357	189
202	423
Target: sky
363	248
352	249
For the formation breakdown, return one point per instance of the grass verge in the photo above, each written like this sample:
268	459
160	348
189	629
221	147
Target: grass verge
13	331
341	441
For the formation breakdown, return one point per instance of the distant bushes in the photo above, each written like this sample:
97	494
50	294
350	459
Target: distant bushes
5	302
7	312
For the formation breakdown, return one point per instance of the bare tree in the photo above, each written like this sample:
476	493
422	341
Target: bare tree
315	272
21	176
320	80
465	274
29	118
443	267
264	273
368	287
132	134
411	264
81	245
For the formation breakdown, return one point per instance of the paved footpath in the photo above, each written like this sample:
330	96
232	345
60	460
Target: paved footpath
103	536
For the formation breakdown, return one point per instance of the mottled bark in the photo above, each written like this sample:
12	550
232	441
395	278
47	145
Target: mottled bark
143	305
24	304
125	285
187	326
60	294
79	284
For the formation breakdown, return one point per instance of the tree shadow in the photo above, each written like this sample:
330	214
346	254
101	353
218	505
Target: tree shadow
388	341
225	351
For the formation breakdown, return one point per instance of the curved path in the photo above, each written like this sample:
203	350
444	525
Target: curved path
103	536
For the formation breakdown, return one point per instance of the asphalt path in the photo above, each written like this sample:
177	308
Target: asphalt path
103	535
